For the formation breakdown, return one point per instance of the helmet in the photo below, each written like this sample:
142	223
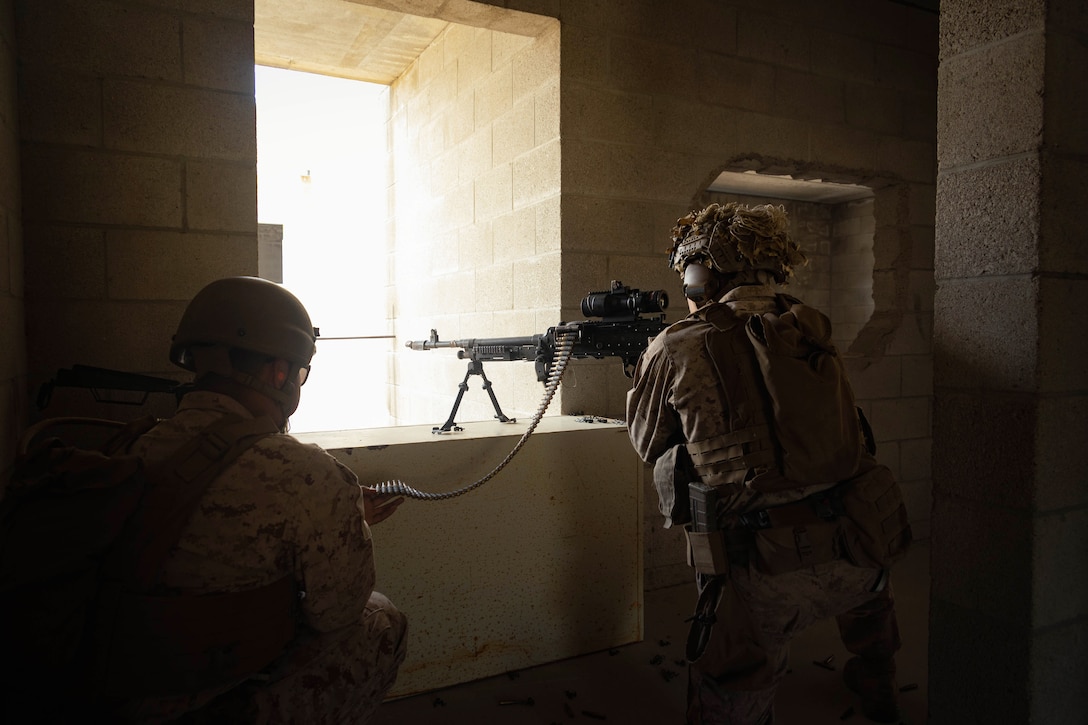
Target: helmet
731	238
248	313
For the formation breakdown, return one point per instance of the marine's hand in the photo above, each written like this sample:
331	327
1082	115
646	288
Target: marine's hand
377	507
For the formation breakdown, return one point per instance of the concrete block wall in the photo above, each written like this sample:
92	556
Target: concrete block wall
12	338
475	196
1010	501
138	157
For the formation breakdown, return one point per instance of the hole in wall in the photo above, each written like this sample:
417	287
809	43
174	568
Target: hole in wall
833	222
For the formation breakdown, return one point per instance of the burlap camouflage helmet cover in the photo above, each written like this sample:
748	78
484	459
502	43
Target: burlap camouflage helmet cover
731	238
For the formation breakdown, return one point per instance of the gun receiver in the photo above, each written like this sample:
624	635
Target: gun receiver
621	332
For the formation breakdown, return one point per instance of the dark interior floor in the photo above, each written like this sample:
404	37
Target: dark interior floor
645	682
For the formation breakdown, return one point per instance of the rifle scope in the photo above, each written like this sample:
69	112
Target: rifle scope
623	302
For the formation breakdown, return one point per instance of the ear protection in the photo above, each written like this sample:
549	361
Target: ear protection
701	284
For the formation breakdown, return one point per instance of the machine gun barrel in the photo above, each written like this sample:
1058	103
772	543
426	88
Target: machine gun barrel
484	348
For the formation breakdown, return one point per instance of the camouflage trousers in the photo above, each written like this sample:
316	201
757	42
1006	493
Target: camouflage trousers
337	678
758	615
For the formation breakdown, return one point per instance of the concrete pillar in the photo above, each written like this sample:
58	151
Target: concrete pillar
1009	598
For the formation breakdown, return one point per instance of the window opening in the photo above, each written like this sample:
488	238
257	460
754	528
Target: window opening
834	224
321	209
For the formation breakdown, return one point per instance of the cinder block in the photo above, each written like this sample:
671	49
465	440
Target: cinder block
918	497
475	245
982	550
596	222
778	137
515	235
120	335
221	196
781	43
548	225
922	247
901	418
912	160
504	46
988	333
585	55
1061	235
917	375
513	132
91	30
536	282
57	106
919	115
218	53
152	265
921	288
455	211
916	457
877	379
494	192
493	95
65	262
546	113
536	174
1057	655
979	461
964	687
809	96
1004	81
836	54
874	108
474	61
987	220
967	26
1056	537
606	114
1060	452
886	246
537	65
151	118
913	335
474	155
495	288
1062	347
82	186
839	145
456	42
906	69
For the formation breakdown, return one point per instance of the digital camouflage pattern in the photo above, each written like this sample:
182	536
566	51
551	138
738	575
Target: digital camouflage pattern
676	398
782	606
286	508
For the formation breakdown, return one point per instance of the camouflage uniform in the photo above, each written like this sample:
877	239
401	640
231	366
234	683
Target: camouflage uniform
285	508
676	399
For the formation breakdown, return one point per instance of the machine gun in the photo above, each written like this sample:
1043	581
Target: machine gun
620	332
110	386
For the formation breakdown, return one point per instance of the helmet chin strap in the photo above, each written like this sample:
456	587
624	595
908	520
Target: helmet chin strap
285	398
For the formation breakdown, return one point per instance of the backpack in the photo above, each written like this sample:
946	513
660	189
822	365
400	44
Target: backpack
816	422
83	535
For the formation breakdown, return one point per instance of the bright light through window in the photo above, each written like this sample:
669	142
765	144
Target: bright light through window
321	174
